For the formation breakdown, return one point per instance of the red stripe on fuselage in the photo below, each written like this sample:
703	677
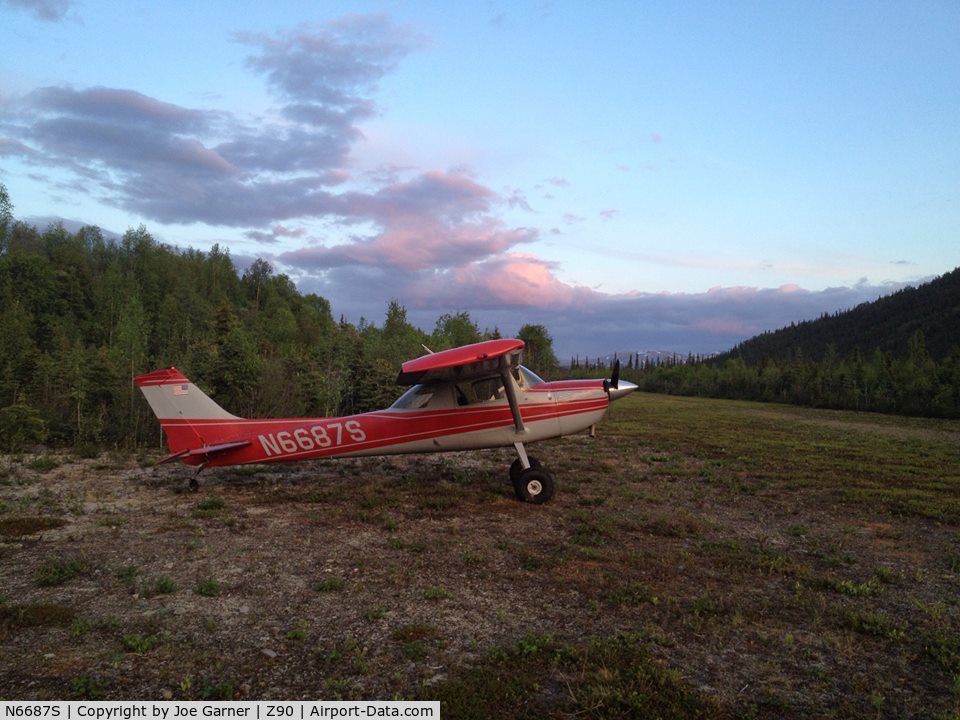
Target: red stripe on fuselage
381	429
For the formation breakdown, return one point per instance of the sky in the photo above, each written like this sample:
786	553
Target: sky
632	175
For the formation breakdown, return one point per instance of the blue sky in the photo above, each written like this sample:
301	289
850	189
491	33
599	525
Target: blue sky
633	175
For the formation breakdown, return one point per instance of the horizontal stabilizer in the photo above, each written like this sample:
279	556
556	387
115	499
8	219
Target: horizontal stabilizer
206	452
172	457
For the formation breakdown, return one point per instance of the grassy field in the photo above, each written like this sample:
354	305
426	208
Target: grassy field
702	559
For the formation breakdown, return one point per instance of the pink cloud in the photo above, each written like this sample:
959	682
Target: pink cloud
512	280
434	221
415	248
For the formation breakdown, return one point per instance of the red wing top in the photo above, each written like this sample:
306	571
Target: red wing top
477	359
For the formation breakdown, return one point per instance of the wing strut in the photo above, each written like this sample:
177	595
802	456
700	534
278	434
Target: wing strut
510	386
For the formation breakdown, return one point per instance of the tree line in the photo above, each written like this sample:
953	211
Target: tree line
914	384
898	354
81	316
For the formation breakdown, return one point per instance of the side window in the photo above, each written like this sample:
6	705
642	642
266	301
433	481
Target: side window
481	391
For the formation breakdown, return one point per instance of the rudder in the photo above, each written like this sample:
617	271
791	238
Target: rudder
187	414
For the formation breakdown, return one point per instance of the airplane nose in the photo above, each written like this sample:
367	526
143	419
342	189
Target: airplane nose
623	389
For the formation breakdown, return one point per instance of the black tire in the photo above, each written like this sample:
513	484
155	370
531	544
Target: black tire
517	467
535	485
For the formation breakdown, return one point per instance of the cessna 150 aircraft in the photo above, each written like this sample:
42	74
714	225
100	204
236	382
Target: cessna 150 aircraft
471	397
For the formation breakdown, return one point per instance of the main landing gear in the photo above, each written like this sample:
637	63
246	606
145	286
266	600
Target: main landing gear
531	483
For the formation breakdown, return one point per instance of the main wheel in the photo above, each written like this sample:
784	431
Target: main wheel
517	467
535	485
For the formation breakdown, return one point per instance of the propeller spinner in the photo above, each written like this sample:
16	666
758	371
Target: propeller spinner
614	388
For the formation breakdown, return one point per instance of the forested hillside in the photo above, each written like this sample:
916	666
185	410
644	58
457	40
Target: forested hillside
80	316
899	354
886	324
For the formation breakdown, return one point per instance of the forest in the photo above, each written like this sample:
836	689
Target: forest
915	384
81	316
898	354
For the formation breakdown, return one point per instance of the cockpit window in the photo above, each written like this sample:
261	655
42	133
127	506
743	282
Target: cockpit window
485	390
443	394
415	398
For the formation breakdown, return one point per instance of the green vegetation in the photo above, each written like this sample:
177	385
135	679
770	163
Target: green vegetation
88	687
58	570
213	503
43	464
138	643
333	584
879	382
80	315
207	588
20	427
417	641
436	592
163	585
297	633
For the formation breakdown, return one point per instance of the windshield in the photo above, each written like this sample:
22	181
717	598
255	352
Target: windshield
415	398
528	378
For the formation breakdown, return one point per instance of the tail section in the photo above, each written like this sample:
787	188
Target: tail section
187	415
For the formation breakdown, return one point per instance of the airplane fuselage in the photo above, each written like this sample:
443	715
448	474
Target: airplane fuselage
465	398
548	410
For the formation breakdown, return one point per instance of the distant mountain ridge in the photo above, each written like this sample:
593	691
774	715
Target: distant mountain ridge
886	324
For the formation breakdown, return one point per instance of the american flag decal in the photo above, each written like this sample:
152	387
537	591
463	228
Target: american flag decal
180	389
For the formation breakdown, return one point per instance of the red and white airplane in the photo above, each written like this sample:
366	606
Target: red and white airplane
470	397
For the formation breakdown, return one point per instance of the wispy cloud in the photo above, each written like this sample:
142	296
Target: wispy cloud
46	10
176	164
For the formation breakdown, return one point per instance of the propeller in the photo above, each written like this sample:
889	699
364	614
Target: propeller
614	382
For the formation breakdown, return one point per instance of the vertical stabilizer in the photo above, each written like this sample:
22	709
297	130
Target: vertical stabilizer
187	414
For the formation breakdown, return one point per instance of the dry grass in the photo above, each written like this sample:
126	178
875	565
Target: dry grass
701	559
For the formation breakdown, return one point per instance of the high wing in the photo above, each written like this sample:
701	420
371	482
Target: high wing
468	362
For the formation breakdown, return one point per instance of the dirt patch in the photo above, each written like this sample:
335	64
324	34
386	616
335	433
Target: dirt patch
759	592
